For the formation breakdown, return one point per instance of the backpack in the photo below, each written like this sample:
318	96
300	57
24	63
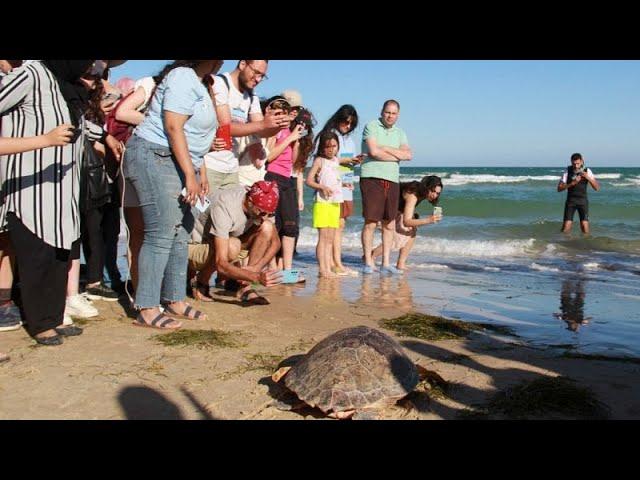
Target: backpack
95	189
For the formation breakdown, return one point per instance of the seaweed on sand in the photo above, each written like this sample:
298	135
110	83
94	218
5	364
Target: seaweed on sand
431	327
200	338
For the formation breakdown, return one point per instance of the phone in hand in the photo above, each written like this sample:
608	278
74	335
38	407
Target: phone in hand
111	97
437	211
290	276
200	205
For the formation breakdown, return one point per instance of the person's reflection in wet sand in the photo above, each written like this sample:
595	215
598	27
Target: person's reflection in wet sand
329	288
572	298
386	292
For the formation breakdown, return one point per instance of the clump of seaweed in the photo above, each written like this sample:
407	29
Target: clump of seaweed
430	327
202	339
261	361
545	395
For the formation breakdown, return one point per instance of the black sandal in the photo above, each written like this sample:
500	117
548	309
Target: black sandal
186	312
156	322
259	300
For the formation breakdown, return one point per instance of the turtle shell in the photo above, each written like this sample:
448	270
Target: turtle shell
352	369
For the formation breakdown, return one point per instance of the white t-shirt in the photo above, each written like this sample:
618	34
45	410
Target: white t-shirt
148	85
241	105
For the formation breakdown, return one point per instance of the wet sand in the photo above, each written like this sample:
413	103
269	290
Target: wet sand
118	371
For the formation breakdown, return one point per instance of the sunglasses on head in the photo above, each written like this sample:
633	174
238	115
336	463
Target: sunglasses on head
280	105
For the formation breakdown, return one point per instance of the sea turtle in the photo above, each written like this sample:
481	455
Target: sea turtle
354	372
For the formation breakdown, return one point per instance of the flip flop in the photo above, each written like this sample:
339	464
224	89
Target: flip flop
156	323
196	316
259	300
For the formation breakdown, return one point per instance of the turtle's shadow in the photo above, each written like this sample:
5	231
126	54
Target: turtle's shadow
284	396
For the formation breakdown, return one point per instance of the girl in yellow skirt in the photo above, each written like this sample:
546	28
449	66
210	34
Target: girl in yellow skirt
325	178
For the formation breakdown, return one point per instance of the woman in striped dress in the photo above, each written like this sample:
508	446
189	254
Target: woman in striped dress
40	187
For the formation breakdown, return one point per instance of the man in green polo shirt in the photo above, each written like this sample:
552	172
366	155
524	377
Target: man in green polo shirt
384	145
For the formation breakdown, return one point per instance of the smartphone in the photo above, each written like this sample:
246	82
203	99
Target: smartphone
437	211
290	276
110	97
200	205
75	134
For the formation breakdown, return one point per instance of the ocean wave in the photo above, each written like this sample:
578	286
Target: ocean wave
608	176
435	246
457	179
407	177
429	266
542	268
628	182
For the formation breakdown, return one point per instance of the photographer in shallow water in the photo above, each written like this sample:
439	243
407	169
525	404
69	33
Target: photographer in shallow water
575	181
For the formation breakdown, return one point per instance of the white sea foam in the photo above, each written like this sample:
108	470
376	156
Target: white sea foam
542	268
591	266
492	269
457	179
429	266
434	246
608	176
628	182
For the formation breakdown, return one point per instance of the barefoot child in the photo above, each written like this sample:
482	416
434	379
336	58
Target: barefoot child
325	177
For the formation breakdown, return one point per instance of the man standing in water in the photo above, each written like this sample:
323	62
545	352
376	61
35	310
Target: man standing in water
575	181
385	145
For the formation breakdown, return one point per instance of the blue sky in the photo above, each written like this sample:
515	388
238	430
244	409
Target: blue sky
475	113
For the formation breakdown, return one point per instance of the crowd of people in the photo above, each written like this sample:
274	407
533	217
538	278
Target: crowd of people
209	177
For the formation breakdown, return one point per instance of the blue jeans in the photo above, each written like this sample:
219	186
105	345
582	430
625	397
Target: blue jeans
168	222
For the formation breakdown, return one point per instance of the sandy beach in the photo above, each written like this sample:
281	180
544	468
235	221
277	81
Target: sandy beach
117	371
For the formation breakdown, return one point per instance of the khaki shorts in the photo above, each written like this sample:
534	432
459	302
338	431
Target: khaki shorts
199	252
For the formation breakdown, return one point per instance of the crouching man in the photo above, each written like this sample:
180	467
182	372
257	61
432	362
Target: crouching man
239	221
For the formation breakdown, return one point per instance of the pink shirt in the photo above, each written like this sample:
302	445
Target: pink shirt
283	164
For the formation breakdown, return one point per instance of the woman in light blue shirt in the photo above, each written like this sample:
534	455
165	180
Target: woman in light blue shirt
164	155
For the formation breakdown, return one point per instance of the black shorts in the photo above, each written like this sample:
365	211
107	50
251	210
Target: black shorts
380	199
287	214
570	210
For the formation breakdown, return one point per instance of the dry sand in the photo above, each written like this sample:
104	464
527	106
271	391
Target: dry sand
117	371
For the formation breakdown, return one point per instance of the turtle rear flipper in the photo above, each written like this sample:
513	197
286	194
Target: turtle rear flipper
431	376
287	401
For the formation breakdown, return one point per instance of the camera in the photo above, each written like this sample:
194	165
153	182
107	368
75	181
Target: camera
75	134
578	171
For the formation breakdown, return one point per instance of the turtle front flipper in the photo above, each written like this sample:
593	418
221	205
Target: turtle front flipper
280	373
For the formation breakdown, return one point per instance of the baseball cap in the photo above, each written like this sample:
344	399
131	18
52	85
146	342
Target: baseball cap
293	97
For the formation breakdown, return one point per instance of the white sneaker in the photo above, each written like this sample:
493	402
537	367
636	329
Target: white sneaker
67	320
78	306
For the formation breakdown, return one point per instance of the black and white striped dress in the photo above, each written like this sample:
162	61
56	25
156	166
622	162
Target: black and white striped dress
40	186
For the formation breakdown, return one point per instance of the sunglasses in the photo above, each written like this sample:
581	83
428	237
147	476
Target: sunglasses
261	213
265	214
